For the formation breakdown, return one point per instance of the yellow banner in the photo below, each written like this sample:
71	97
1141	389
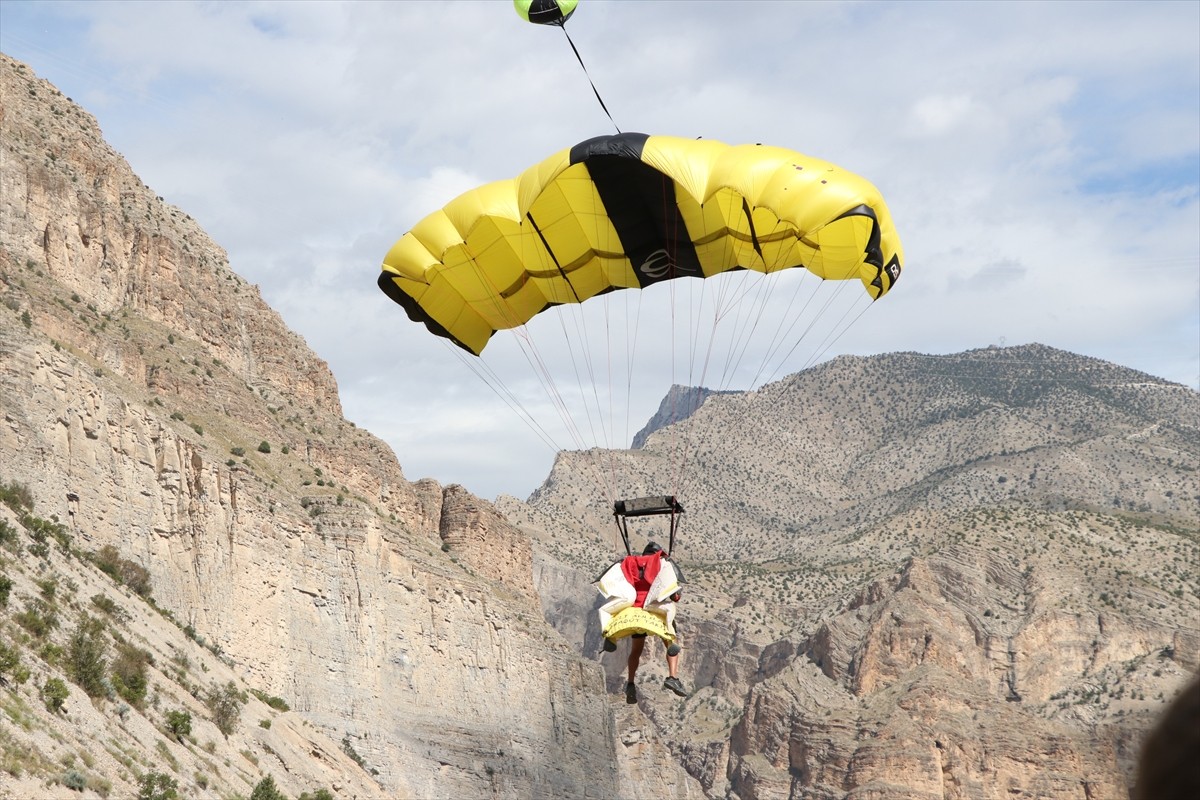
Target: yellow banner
638	620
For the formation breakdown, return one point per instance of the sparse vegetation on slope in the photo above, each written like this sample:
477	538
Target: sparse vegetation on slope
1032	512
120	702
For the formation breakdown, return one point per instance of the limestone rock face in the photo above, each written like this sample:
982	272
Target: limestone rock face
679	404
964	576
152	402
489	543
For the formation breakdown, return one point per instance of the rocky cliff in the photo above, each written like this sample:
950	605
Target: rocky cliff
154	404
679	404
964	576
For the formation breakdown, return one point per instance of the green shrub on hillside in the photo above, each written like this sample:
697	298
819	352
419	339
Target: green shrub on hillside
320	794
179	723
277	703
129	674
267	790
16	496
157	786
109	561
10	665
225	705
8	535
54	693
38	617
87	656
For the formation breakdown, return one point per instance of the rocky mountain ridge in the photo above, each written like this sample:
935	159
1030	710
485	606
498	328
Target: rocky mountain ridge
679	403
916	576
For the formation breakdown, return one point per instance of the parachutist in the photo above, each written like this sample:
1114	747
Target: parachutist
642	592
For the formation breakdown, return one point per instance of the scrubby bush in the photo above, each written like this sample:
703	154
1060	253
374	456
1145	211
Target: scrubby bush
267	790
8	535
179	723
122	570
54	694
74	780
320	794
277	703
129	674
16	496
38	617
109	607
10	663
225	705
157	786
87	656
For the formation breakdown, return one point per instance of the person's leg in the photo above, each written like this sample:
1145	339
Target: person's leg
636	645
672	681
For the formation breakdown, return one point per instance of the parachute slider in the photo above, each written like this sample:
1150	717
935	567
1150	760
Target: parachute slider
660	505
647	506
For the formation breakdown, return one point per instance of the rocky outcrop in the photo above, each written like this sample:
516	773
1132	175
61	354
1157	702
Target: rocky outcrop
913	692
488	542
679	403
153	403
916	576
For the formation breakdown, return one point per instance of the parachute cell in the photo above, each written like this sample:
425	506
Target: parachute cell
628	211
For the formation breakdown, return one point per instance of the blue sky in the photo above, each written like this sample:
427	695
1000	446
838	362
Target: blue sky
1041	160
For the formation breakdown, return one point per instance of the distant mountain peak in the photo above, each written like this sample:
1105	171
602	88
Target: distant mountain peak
679	403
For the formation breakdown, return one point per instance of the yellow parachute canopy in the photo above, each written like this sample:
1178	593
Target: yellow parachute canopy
627	211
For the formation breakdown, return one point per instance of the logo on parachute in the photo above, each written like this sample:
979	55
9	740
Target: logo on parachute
657	265
893	269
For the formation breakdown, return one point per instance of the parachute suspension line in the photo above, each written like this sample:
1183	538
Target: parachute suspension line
585	355
488	376
729	300
686	445
630	352
578	324
754	300
671	237
546	377
683	446
781	334
841	285
762	290
576	310
595	91
746	322
828	342
538	364
496	383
